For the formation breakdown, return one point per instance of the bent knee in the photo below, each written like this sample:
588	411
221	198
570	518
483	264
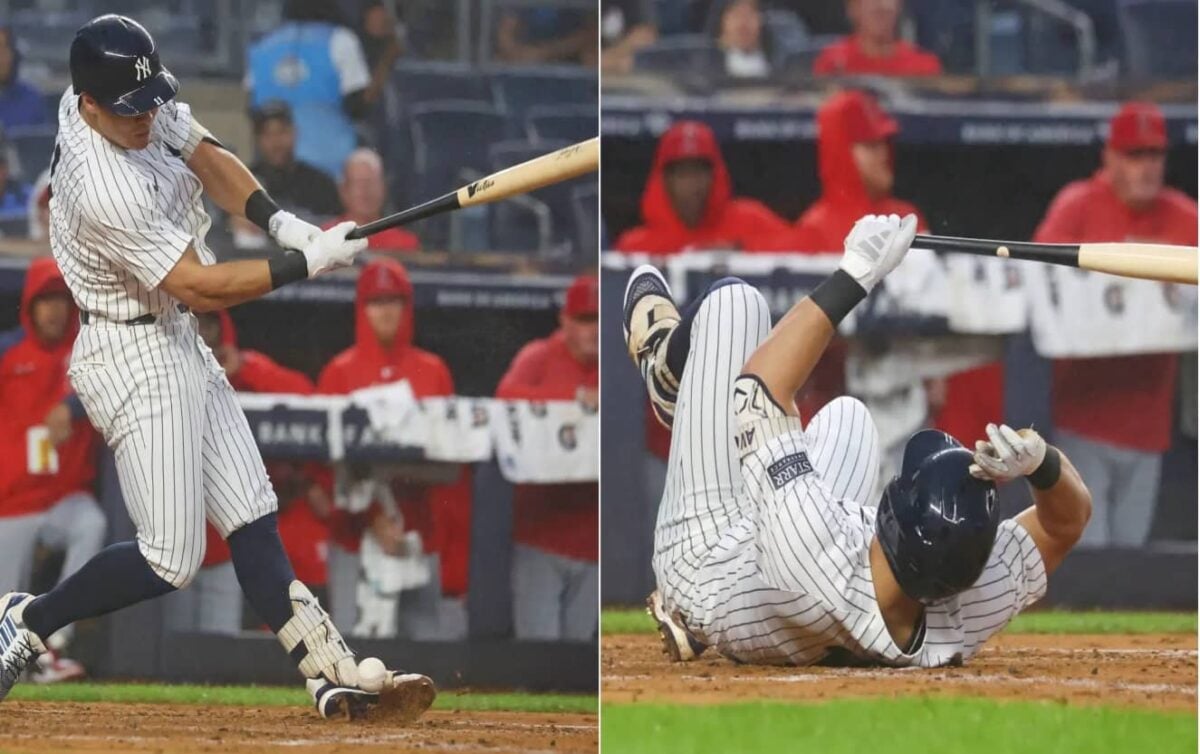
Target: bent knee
734	294
178	565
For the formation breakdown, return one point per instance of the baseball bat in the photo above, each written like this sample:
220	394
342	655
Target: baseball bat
560	165
1148	261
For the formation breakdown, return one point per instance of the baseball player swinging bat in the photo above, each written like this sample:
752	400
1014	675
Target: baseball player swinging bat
560	165
1149	261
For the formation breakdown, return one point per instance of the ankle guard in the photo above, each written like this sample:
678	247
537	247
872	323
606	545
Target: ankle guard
314	642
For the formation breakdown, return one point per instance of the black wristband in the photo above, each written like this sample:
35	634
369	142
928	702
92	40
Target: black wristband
259	208
838	295
287	268
1046	475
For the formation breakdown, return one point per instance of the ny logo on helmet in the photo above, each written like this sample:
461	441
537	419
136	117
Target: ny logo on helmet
142	68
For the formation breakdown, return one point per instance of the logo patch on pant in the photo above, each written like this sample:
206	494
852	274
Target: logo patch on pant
789	468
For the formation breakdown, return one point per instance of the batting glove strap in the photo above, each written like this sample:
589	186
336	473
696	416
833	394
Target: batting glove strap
1046	475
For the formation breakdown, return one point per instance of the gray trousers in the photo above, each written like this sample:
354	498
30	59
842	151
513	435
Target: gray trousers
425	614
211	604
1124	487
74	525
554	597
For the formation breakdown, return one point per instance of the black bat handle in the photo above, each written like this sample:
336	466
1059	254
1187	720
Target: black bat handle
444	203
1052	253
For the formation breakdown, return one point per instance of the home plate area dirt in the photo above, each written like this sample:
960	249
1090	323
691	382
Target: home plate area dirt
185	729
1155	671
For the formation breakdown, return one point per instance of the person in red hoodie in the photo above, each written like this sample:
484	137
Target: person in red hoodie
875	48
213	602
383	352
1113	414
364	192
555	579
688	203
47	451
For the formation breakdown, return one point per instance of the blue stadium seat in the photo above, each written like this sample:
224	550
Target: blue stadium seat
516	89
449	137
586	209
686	53
567	122
514	225
421	81
1159	38
34	147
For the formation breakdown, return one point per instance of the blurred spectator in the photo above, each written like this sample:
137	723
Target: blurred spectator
874	47
317	66
383	352
1112	415
213	602
14	195
740	37
547	35
294	184
364	193
555	580
688	203
48	448
626	26
381	45
20	103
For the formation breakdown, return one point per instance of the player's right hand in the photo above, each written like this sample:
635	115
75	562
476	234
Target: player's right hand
1008	454
290	232
331	250
875	246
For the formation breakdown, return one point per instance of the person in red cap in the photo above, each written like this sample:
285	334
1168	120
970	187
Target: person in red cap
213	602
47	450
875	48
688	203
555	528
383	352
1113	415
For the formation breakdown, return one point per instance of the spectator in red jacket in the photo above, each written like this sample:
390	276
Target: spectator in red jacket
383	352
213	602
555	528
364	193
1113	415
874	48
47	450
688	203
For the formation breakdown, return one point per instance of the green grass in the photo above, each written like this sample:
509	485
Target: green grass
276	696
902	726
635	621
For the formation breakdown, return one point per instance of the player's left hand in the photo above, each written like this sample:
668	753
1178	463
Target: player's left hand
1008	454
290	232
876	245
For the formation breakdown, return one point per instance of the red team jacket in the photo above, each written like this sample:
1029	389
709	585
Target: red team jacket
441	513
304	535
1123	400
846	57
556	518
728	221
33	379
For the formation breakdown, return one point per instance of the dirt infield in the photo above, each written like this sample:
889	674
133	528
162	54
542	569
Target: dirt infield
1154	671
187	729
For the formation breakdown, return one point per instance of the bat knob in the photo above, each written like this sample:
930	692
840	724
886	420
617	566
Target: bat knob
355	233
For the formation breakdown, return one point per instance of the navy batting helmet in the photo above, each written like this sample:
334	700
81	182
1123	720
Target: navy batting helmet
936	523
115	60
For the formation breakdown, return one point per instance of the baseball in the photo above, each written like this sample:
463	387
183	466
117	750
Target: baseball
371	674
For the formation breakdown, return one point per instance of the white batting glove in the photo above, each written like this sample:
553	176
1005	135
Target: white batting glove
290	232
875	246
1008	454
330	249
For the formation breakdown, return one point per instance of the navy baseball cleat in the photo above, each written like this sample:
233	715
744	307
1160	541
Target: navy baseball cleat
650	316
678	642
404	698
19	646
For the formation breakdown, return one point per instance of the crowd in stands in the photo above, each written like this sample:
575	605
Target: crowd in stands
687	206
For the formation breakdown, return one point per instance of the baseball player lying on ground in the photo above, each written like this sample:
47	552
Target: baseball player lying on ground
768	546
129	169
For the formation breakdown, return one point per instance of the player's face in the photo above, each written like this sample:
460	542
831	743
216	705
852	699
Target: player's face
132	132
49	315
688	183
874	162
1137	177
582	336
277	142
875	19
741	26
384	316
362	190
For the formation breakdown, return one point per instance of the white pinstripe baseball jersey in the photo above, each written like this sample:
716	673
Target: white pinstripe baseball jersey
120	219
768	559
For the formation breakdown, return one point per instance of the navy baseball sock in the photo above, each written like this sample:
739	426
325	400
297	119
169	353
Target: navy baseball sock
117	577
678	348
263	569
